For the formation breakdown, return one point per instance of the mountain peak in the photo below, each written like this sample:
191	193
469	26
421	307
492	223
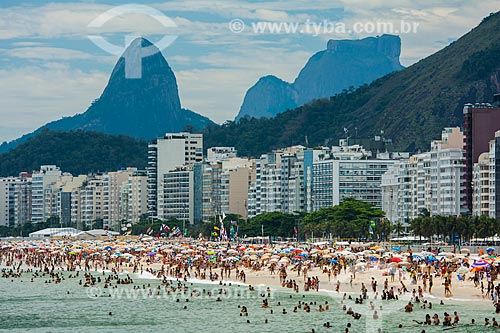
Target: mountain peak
140	42
141	100
138	50
344	64
389	45
411	106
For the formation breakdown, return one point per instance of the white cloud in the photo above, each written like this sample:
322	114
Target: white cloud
214	83
33	96
438	21
232	78
47	53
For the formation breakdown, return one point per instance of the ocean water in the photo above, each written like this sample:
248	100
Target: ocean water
40	307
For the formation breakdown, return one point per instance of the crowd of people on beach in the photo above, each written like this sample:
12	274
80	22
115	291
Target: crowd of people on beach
110	264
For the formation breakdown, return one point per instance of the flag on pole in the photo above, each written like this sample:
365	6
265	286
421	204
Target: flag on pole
223	234
215	232
371	230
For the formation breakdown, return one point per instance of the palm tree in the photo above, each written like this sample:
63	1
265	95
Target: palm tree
398	228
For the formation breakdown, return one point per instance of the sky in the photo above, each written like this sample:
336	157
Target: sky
49	68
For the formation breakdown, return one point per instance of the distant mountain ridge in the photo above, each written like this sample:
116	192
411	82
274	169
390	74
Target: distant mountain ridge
142	108
344	64
411	106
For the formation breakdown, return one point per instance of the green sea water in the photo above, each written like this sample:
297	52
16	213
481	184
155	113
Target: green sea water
40	307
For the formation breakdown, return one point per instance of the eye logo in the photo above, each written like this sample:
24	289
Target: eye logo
133	61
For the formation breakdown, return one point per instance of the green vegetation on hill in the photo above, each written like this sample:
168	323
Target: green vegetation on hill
77	152
411	106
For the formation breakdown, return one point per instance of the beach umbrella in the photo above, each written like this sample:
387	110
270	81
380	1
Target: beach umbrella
273	260
480	264
333	261
372	258
396	248
417	257
477	268
465	250
151	254
108	248
303	254
396	260
492	249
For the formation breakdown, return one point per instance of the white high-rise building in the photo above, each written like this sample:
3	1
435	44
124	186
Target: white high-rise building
133	200
172	151
300	179
389	190
481	180
484	182
432	181
7	200
90	202
337	180
22	200
41	192
265	191
182	194
67	199
225	185
112	188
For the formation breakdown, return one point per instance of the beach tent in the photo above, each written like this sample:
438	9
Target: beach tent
54	232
